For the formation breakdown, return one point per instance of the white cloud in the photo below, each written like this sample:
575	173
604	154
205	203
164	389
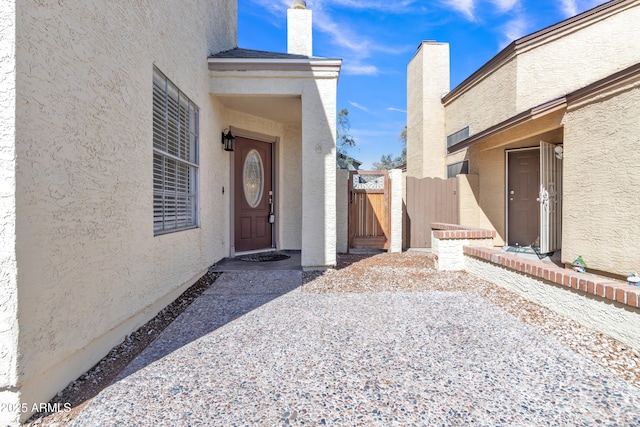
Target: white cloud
396	109
359	107
378	5
513	30
359	69
569	7
505	5
466	7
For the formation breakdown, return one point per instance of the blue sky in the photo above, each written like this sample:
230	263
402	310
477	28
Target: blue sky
377	38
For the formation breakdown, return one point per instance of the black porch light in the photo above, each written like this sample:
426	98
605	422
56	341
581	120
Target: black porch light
227	139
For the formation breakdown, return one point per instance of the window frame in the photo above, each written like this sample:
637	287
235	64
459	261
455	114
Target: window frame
458	137
176	168
464	163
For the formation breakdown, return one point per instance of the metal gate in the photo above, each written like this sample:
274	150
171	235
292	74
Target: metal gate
369	208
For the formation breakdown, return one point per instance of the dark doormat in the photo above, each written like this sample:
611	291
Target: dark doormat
271	256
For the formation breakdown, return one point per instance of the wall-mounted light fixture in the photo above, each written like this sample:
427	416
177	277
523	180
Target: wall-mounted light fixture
227	139
559	152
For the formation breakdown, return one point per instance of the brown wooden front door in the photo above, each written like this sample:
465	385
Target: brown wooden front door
253	195
369	210
522	193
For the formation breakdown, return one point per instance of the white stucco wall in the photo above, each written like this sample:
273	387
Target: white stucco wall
450	252
602	181
291	188
547	68
490	101
318	94
561	65
415	115
427	81
90	269
299	32
614	320
396	179
342	211
319	175
8	266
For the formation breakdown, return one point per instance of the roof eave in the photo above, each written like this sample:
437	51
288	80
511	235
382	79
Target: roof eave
284	65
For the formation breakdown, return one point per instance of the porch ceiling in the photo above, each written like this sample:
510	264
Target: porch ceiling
283	109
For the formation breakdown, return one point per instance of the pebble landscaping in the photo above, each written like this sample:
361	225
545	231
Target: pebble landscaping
380	341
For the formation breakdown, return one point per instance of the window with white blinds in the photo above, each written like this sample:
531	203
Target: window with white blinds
175	157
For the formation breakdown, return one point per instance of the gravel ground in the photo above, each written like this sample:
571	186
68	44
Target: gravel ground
82	390
382	340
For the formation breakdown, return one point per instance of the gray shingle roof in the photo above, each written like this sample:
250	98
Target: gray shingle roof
256	54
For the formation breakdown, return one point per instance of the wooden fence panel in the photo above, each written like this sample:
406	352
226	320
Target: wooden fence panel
429	200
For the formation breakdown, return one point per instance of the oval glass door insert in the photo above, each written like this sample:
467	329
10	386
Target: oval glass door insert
253	178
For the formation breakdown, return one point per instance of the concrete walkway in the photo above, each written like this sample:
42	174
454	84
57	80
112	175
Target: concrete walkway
256	350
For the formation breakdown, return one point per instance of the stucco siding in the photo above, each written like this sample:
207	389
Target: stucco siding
491	168
90	268
396	181
291	188
468	189
8	266
490	101
560	65
427	81
601	182
319	175
342	211
415	116
318	152
546	68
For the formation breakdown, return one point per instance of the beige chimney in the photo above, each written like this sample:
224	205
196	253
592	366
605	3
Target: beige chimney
299	22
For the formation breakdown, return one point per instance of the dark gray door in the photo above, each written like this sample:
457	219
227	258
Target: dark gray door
523	188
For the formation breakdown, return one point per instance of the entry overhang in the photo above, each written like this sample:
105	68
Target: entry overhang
255	63
534	113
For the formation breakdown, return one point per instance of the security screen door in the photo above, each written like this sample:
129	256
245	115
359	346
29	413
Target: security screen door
550	198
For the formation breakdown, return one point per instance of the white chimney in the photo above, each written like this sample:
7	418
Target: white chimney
299	21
